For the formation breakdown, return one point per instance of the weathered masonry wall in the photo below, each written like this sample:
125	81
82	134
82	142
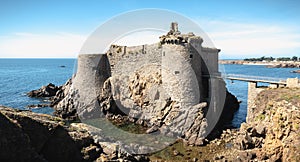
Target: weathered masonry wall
175	65
176	62
209	55
253	91
125	60
293	83
177	59
92	71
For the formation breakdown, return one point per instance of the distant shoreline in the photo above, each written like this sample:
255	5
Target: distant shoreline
269	64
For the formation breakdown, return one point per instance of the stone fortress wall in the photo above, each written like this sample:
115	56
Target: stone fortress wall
172	54
168	84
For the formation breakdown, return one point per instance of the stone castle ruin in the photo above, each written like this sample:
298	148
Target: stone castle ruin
172	87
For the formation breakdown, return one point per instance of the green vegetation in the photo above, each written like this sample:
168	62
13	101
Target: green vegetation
260	59
128	133
283	59
260	117
182	152
294	58
131	127
270	105
295	126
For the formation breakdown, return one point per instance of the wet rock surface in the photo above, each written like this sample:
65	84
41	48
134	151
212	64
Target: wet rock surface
295	71
59	97
34	106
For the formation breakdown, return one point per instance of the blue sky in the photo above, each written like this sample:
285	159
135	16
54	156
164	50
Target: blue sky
239	28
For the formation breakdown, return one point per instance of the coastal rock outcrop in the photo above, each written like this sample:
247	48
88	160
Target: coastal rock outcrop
28	136
45	91
285	65
59	97
238	62
295	71
270	134
137	89
268	64
61	93
277	119
63	102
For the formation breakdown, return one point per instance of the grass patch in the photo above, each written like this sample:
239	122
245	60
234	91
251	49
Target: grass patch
260	117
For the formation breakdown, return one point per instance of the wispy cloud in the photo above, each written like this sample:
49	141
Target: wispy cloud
24	44
235	39
246	39
139	38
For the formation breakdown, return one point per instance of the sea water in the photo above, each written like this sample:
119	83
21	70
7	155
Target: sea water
19	76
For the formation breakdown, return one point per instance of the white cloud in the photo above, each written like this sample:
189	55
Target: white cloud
139	38
62	44
246	40
44	46
236	40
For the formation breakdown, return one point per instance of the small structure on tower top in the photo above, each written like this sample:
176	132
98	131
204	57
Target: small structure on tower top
174	36
174	28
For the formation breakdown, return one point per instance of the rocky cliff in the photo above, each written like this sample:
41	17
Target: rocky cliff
274	129
271	134
28	136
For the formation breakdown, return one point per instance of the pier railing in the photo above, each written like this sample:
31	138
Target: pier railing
250	78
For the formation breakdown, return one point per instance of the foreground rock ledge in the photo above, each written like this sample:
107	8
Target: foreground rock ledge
28	136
